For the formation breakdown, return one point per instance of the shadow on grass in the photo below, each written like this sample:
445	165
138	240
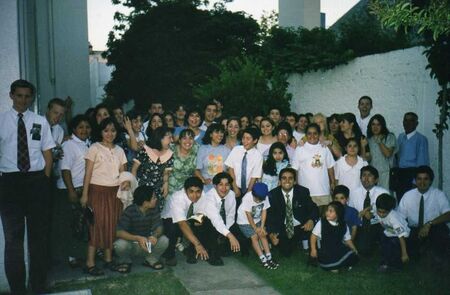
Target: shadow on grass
134	283
294	276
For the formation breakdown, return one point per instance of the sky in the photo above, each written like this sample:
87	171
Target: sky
101	13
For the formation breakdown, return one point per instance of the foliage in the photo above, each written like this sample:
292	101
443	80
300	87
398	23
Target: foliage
301	50
245	88
168	46
434	17
363	34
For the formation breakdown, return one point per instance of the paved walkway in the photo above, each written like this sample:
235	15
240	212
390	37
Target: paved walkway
198	279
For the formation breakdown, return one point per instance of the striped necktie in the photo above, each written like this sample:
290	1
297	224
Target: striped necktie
23	156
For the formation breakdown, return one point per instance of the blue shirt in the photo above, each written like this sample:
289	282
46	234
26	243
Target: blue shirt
197	139
351	217
412	152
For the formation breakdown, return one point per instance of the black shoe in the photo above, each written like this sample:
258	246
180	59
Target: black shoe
216	261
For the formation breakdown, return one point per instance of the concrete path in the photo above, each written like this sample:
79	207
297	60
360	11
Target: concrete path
198	279
232	278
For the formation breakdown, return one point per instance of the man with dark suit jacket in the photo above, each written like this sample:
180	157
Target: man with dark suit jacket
292	213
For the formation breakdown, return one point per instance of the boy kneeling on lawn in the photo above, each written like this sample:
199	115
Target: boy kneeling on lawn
139	232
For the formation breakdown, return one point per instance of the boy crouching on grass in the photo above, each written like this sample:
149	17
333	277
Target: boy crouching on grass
396	230
251	219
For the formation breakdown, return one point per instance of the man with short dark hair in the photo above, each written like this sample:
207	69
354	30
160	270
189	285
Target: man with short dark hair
364	107
210	114
292	213
140	232
427	210
56	109
25	167
412	153
275	115
156	107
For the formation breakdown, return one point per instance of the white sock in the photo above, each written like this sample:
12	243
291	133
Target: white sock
269	256
305	244
263	258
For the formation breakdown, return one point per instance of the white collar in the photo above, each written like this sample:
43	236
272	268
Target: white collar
290	193
16	113
411	134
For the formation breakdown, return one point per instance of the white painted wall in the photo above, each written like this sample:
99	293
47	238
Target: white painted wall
9	50
397	82
100	75
299	13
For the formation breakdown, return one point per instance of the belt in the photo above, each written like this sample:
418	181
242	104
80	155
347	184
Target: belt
22	174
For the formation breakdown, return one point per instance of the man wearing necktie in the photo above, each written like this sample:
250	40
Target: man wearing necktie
25	167
427	210
292	213
363	199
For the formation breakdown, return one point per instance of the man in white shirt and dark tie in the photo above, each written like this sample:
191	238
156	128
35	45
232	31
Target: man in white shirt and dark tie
427	210
363	199
25	166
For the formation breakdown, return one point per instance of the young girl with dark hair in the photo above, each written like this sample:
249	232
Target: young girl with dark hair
276	161
337	250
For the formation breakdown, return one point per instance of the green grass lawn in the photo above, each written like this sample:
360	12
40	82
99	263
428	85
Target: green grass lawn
135	283
295	277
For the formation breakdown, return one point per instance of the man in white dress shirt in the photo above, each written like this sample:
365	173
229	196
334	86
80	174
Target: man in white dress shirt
25	166
364	107
427	210
363	199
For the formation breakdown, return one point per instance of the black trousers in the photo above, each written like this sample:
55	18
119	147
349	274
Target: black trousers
391	251
288	246
438	241
205	233
24	199
367	238
404	181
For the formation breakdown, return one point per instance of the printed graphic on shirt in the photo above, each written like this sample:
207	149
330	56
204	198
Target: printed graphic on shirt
215	164
36	131
257	210
394	231
316	162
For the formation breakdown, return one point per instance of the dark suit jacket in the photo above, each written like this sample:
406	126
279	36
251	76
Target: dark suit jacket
302	206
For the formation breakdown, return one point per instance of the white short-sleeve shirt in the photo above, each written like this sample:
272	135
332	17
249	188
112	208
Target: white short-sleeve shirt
312	163
177	206
73	160
254	163
358	195
210	206
249	205
347	175
39	139
435	204
395	225
57	133
317	230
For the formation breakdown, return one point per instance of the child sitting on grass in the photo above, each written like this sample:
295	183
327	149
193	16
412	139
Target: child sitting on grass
251	219
337	250
393	240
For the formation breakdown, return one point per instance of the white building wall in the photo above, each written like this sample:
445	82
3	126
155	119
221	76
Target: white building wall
9	50
100	75
299	13
396	81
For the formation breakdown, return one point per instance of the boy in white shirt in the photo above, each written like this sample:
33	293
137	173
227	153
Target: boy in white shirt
251	219
245	176
396	230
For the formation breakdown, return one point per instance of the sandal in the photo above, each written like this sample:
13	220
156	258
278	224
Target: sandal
93	271
156	266
122	268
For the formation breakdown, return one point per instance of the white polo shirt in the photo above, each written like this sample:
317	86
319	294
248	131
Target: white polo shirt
73	160
349	175
39	138
358	195
254	163
210	206
395	225
435	204
177	206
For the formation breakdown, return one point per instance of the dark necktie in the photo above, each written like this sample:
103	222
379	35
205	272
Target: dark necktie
23	157
421	212
289	218
366	204
244	174
190	211
222	211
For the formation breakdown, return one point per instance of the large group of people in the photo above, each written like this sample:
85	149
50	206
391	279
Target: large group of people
209	185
